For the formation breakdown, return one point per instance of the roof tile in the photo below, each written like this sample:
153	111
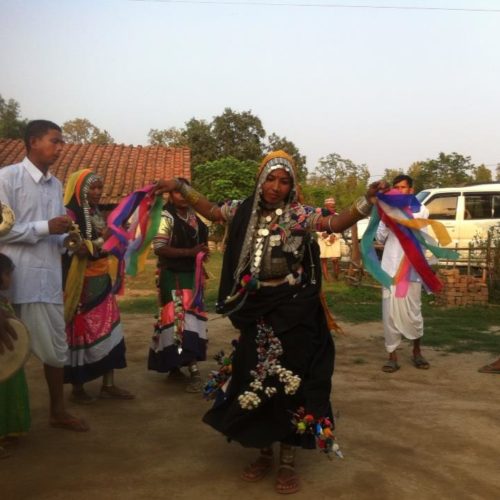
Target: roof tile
123	168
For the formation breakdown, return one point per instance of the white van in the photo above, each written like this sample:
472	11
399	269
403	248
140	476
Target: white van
466	212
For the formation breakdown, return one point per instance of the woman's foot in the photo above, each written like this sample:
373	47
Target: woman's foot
69	422
176	374
258	469
287	480
195	384
81	397
114	392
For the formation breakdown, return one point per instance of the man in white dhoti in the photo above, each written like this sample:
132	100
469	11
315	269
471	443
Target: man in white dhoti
402	316
329	245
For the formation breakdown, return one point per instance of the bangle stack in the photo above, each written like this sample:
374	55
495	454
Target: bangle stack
189	194
361	207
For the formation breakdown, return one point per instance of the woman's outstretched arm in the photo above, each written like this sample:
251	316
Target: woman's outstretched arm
360	209
209	210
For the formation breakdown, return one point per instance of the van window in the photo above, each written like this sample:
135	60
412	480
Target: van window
443	206
422	195
482	206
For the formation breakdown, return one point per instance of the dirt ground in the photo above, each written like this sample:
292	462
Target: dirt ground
409	435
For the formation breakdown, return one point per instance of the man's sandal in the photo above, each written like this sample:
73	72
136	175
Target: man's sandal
287	480
390	366
420	362
258	469
489	369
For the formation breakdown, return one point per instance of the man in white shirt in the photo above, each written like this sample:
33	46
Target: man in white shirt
35	244
402	316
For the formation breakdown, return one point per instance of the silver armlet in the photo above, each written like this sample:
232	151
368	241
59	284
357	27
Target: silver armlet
363	206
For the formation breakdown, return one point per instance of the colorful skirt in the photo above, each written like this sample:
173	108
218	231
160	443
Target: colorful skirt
15	418
95	335
180	336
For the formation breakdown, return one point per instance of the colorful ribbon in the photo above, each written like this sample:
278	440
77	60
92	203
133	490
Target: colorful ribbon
396	211
199	282
133	225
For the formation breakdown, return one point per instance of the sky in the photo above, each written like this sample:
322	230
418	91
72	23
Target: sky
383	87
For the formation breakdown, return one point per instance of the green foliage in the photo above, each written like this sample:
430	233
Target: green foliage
82	131
488	248
199	138
391	173
11	124
341	177
238	135
171	137
227	178
482	174
315	193
446	170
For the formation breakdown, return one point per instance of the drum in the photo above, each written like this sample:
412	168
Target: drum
7	219
12	361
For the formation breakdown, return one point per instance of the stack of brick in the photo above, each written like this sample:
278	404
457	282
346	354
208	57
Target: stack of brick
461	290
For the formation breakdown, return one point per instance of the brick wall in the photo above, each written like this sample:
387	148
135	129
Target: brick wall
461	290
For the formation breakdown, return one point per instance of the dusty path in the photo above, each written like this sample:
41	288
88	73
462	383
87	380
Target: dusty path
409	435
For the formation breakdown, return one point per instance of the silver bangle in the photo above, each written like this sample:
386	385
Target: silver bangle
363	206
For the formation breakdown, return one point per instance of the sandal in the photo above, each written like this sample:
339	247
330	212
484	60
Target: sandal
390	366
113	392
489	369
196	384
69	423
420	362
287	482
258	469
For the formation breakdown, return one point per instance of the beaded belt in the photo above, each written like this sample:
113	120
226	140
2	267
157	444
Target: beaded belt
292	279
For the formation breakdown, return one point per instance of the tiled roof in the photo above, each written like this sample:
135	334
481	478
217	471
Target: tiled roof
123	168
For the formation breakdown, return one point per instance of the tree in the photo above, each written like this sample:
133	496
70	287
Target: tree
171	137
225	179
497	175
482	174
82	131
391	173
199	137
11	124
274	143
345	180
238	135
446	170
316	191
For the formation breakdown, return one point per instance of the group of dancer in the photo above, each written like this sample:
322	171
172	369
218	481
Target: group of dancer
278	391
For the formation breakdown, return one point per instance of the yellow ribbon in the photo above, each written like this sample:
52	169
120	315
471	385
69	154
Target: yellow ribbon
439	229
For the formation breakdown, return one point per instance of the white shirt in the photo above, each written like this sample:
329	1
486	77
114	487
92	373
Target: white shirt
393	252
35	199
